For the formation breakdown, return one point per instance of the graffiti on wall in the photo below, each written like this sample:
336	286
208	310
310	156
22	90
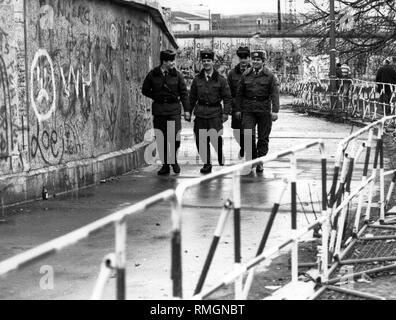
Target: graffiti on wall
283	57
13	122
316	67
4	111
86	68
42	86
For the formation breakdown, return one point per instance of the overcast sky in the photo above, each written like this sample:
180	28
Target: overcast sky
234	6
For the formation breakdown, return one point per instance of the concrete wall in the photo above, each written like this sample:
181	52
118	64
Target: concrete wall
71	111
284	57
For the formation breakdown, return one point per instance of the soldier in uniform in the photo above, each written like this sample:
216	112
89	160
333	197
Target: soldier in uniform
208	90
167	88
233	79
386	74
258	101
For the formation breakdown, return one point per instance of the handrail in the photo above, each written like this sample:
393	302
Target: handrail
118	218
176	195
236	169
353	98
340	208
232	276
239	167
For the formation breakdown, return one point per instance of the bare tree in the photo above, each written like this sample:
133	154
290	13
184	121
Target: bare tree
364	28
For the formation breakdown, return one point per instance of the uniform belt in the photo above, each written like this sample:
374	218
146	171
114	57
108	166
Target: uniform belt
166	100
208	104
257	98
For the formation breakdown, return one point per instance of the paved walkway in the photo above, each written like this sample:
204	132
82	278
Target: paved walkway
76	268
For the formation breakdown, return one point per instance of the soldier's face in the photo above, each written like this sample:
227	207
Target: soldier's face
257	63
207	64
244	62
170	64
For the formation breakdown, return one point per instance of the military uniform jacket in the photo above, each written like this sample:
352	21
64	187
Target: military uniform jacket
385	74
233	78
206	96
167	92
257	93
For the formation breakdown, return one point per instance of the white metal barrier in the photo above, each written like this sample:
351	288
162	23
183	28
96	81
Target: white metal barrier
334	216
117	261
340	198
353	97
236	171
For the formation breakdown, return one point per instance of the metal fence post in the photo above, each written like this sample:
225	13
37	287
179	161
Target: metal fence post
336	173
391	187
375	168
364	178
105	272
237	229
237	215
275	208
294	263
382	173
338	200
120	248
215	241
325	213
176	249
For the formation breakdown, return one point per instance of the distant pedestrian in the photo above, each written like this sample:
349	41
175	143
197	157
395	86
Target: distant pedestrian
208	91
257	102
345	71
386	74
346	82
233	79
338	74
167	88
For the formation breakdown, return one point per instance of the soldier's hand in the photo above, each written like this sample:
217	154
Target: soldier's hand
187	116
274	116
238	115
225	117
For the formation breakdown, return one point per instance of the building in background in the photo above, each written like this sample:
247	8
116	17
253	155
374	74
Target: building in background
190	18
186	21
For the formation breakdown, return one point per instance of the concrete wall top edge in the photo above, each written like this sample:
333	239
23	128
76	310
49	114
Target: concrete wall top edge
154	12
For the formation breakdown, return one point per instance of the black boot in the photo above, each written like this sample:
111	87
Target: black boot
176	168
164	170
221	161
241	153
207	168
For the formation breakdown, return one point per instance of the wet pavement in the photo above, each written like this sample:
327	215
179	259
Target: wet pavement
148	249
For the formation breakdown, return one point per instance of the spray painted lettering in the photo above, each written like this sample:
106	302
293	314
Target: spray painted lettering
5	112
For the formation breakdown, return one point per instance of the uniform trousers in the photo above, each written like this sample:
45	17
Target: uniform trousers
167	136
209	131
263	122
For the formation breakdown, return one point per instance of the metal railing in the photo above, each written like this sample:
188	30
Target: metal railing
353	98
236	171
115	262
334	212
332	220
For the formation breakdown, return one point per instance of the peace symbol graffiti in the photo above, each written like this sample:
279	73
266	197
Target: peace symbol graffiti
42	86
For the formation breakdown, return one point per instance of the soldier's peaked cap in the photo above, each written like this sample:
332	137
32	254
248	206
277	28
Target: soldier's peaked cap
243	52
167	55
207	54
258	54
